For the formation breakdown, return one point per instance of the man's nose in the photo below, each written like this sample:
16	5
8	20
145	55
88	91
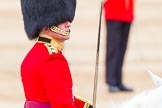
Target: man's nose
68	24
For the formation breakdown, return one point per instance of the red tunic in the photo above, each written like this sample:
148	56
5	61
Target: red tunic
120	10
46	76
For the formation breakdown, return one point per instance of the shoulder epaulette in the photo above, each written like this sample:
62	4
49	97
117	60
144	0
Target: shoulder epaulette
50	48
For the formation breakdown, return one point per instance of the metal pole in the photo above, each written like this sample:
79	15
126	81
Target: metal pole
97	60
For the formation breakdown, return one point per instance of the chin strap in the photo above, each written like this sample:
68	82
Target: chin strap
59	31
97	59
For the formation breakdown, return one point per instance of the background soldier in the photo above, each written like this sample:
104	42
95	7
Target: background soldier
119	16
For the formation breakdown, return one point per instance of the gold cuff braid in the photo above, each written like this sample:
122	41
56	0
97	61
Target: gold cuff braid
59	31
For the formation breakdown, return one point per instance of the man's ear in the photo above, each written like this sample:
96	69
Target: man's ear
156	79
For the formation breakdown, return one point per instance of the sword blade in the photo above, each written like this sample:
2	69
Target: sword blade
97	59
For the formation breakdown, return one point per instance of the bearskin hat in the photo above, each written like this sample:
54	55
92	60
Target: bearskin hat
45	13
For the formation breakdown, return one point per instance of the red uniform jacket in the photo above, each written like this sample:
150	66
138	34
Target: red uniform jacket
120	10
46	78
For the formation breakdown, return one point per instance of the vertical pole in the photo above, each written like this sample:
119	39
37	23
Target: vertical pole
97	60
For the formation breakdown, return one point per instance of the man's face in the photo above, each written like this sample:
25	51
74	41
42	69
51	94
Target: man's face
65	26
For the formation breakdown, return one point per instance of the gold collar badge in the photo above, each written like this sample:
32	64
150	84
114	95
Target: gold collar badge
53	45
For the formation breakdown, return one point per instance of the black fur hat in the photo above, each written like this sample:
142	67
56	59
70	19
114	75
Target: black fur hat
45	13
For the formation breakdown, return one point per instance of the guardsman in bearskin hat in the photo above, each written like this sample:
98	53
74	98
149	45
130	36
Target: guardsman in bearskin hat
45	72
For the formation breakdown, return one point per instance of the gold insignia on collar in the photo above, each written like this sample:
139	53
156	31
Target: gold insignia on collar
53	45
50	48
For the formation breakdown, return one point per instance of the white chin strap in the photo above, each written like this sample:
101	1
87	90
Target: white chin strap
59	31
